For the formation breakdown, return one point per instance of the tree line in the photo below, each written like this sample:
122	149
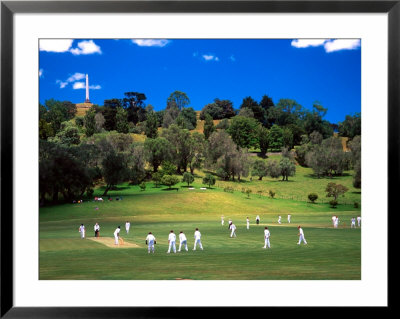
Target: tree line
78	152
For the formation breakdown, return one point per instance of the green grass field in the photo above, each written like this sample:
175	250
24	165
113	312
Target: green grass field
331	254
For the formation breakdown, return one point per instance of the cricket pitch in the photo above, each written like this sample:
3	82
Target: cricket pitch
109	242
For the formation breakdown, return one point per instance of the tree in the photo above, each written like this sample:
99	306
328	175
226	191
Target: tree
136	164
67	135
288	112
189	118
156	177
89	121
259	169
208	126
351	126
121	119
151	128
168	168
258	111
287	137
170	116
263	140
273	169
178	99
335	190
109	112
355	147
209	180
312	197
196	151
114	169
218	110
188	178
244	131
275	137
288	168
157	150
45	130
99	119
169	180
133	102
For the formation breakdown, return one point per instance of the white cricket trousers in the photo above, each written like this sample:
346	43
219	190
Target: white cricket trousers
183	243
267	243
302	239
233	233
172	244
82	234
198	241
151	246
248	225
116	240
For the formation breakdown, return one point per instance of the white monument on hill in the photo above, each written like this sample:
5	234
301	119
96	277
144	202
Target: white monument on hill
87	89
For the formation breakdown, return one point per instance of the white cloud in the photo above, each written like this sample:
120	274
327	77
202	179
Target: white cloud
40	73
232	58
329	45
76	77
86	47
82	85
79	85
305	43
62	84
210	57
342	44
150	42
55	45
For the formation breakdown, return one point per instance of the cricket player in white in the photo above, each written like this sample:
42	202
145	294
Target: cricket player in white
279	219
182	241
222	220
288	218
267	234
96	230
127	226
229	223
301	236
116	235
233	228
150	241
248	222
82	231
353	223
336	222
359	221
171	242
333	220
197	236
257	219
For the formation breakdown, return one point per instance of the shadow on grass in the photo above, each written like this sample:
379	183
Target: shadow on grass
332	178
171	189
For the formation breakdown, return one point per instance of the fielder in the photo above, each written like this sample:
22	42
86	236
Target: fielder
359	221
267	234
248	222
222	220
353	223
182	241
301	236
127	226
288	218
116	235
233	228
279	219
257	219
82	231
336	224
171	242
197	240
97	230
150	241
333	220
229	224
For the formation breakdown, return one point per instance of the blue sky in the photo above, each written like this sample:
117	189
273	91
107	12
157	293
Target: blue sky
323	70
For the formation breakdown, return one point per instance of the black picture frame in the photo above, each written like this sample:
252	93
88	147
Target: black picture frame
9	8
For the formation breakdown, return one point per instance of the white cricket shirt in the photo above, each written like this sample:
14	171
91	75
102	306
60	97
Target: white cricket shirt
182	237
172	237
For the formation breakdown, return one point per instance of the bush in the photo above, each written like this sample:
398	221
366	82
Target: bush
312	197
271	193
142	186
209	180
356	205
169	180
333	203
228	189
248	192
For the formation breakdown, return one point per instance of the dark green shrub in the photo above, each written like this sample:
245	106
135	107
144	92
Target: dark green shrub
312	197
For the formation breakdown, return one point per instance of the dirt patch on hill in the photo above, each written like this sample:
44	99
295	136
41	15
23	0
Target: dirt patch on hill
109	242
